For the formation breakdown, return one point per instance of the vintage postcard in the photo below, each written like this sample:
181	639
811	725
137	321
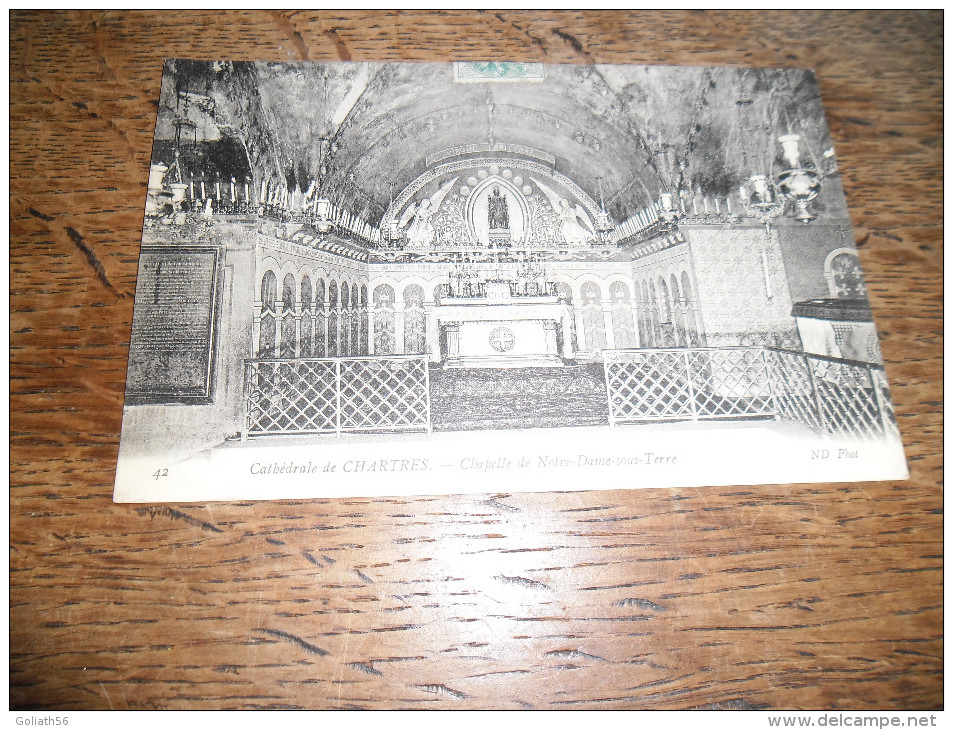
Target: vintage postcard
365	279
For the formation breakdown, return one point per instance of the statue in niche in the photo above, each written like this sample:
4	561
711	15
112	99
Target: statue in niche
496	210
574	223
421	232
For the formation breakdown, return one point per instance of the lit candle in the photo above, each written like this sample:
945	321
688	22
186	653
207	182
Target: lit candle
218	190
203	189
264	191
717	209
246	191
728	205
233	190
694	206
192	189
705	201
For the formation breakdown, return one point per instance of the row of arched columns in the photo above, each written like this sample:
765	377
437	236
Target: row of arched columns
319	315
603	316
310	317
668	309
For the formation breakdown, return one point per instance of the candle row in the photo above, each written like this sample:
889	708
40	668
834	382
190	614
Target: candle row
694	206
233	192
274	199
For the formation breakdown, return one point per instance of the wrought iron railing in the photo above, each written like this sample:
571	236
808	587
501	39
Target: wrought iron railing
336	395
829	395
392	393
832	395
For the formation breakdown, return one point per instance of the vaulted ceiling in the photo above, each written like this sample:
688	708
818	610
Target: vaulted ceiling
365	131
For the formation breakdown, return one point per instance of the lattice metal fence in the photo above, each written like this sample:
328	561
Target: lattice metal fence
829	395
682	384
841	397
336	395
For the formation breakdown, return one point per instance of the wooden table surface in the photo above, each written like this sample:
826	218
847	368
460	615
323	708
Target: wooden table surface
782	597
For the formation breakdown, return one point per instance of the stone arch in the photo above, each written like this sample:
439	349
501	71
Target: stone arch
288	267
678	312
306	345
565	293
471	165
400	285
268	289
384	320
289	329
363	332
666	325
593	321
623	324
355	328
415	320
590	287
345	346
334	318
320	318
692	332
844	276
268	324
654	321
476	211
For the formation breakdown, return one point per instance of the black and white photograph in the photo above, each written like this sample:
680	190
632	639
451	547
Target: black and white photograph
376	279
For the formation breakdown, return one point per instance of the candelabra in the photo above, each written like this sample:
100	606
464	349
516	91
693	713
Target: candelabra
669	212
763	200
798	183
529	268
322	221
765	203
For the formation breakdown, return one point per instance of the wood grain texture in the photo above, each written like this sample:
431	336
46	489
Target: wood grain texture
782	597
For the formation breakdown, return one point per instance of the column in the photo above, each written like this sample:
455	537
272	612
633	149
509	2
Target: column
433	334
580	330
549	335
453	339
314	326
256	330
279	320
365	316
399	328
339	349
297	315
568	351
606	307
371	318
325	319
635	323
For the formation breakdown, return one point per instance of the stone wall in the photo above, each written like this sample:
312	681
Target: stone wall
178	429
805	249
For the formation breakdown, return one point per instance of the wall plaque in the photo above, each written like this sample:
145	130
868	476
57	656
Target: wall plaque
171	355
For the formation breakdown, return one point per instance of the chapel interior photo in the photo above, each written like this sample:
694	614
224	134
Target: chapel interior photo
333	248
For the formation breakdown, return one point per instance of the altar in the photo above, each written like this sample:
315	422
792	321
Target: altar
498	329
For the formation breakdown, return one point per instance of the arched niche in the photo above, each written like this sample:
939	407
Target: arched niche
843	274
481	168
517	207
